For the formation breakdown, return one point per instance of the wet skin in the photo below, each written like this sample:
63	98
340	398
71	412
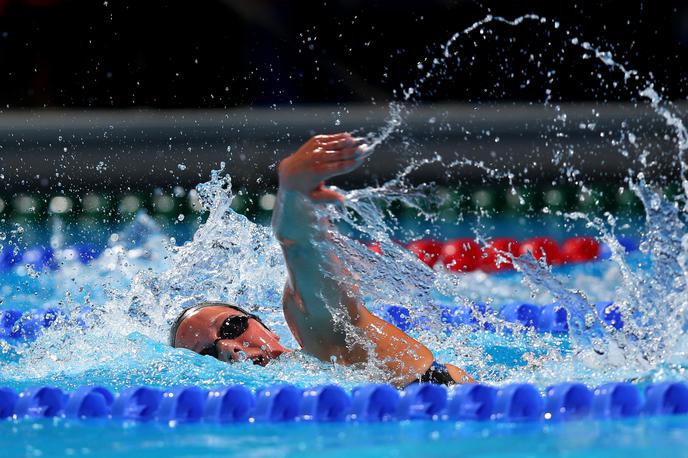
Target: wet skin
320	294
322	305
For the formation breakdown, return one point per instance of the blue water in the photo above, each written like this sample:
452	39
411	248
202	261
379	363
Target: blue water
146	360
70	354
120	307
662	436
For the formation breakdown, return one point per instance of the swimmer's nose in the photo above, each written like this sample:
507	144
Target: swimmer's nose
229	351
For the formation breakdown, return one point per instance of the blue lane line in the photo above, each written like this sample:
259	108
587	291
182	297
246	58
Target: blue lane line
17	326
43	257
551	318
520	402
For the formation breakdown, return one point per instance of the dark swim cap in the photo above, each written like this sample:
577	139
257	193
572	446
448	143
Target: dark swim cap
186	313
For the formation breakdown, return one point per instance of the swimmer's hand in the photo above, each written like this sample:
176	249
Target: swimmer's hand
320	158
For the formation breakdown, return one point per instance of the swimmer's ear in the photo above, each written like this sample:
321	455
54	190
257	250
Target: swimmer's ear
326	195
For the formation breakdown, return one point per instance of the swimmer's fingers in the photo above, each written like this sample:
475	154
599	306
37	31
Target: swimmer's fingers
321	140
338	155
331	169
340	143
365	151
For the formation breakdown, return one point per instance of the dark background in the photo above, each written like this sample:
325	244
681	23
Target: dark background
229	53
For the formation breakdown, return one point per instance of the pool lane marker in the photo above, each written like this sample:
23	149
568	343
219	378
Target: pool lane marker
17	326
518	402
458	255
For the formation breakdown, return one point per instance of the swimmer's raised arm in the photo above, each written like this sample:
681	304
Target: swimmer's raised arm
317	286
320	298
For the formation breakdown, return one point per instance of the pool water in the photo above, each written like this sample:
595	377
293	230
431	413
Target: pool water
118	308
117	346
115	334
661	436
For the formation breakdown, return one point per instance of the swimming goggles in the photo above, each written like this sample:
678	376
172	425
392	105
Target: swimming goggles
232	328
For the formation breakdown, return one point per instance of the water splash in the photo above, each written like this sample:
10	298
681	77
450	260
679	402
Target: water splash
653	302
122	305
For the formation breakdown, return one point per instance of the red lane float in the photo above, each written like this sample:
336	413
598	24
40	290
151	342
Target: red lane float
542	247
461	255
494	257
428	251
580	249
465	255
374	247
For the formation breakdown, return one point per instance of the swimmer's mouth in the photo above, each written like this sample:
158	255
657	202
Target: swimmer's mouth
260	361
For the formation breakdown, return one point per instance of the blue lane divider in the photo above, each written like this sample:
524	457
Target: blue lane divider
25	326
373	403
610	314
277	403
518	402
471	402
554	318
138	403
421	401
629	244
182	404
617	400
43	257
230	404
668	398
569	401
40	402
39	257
89	402
550	318
325	403
8	401
8	319
9	257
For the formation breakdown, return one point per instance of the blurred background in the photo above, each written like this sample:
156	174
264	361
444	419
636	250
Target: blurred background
233	53
125	104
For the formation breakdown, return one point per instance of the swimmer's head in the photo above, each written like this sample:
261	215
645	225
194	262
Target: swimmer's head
227	332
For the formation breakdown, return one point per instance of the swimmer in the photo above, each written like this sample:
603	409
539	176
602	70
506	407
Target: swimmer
318	287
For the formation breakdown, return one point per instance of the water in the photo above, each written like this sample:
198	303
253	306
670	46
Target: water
128	296
660	436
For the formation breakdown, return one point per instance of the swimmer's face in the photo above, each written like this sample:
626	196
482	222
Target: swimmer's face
202	333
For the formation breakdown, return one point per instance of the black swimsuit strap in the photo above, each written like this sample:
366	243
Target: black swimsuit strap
438	374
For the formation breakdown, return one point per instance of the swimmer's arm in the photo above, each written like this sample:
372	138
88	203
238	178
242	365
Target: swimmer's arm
315	275
319	284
